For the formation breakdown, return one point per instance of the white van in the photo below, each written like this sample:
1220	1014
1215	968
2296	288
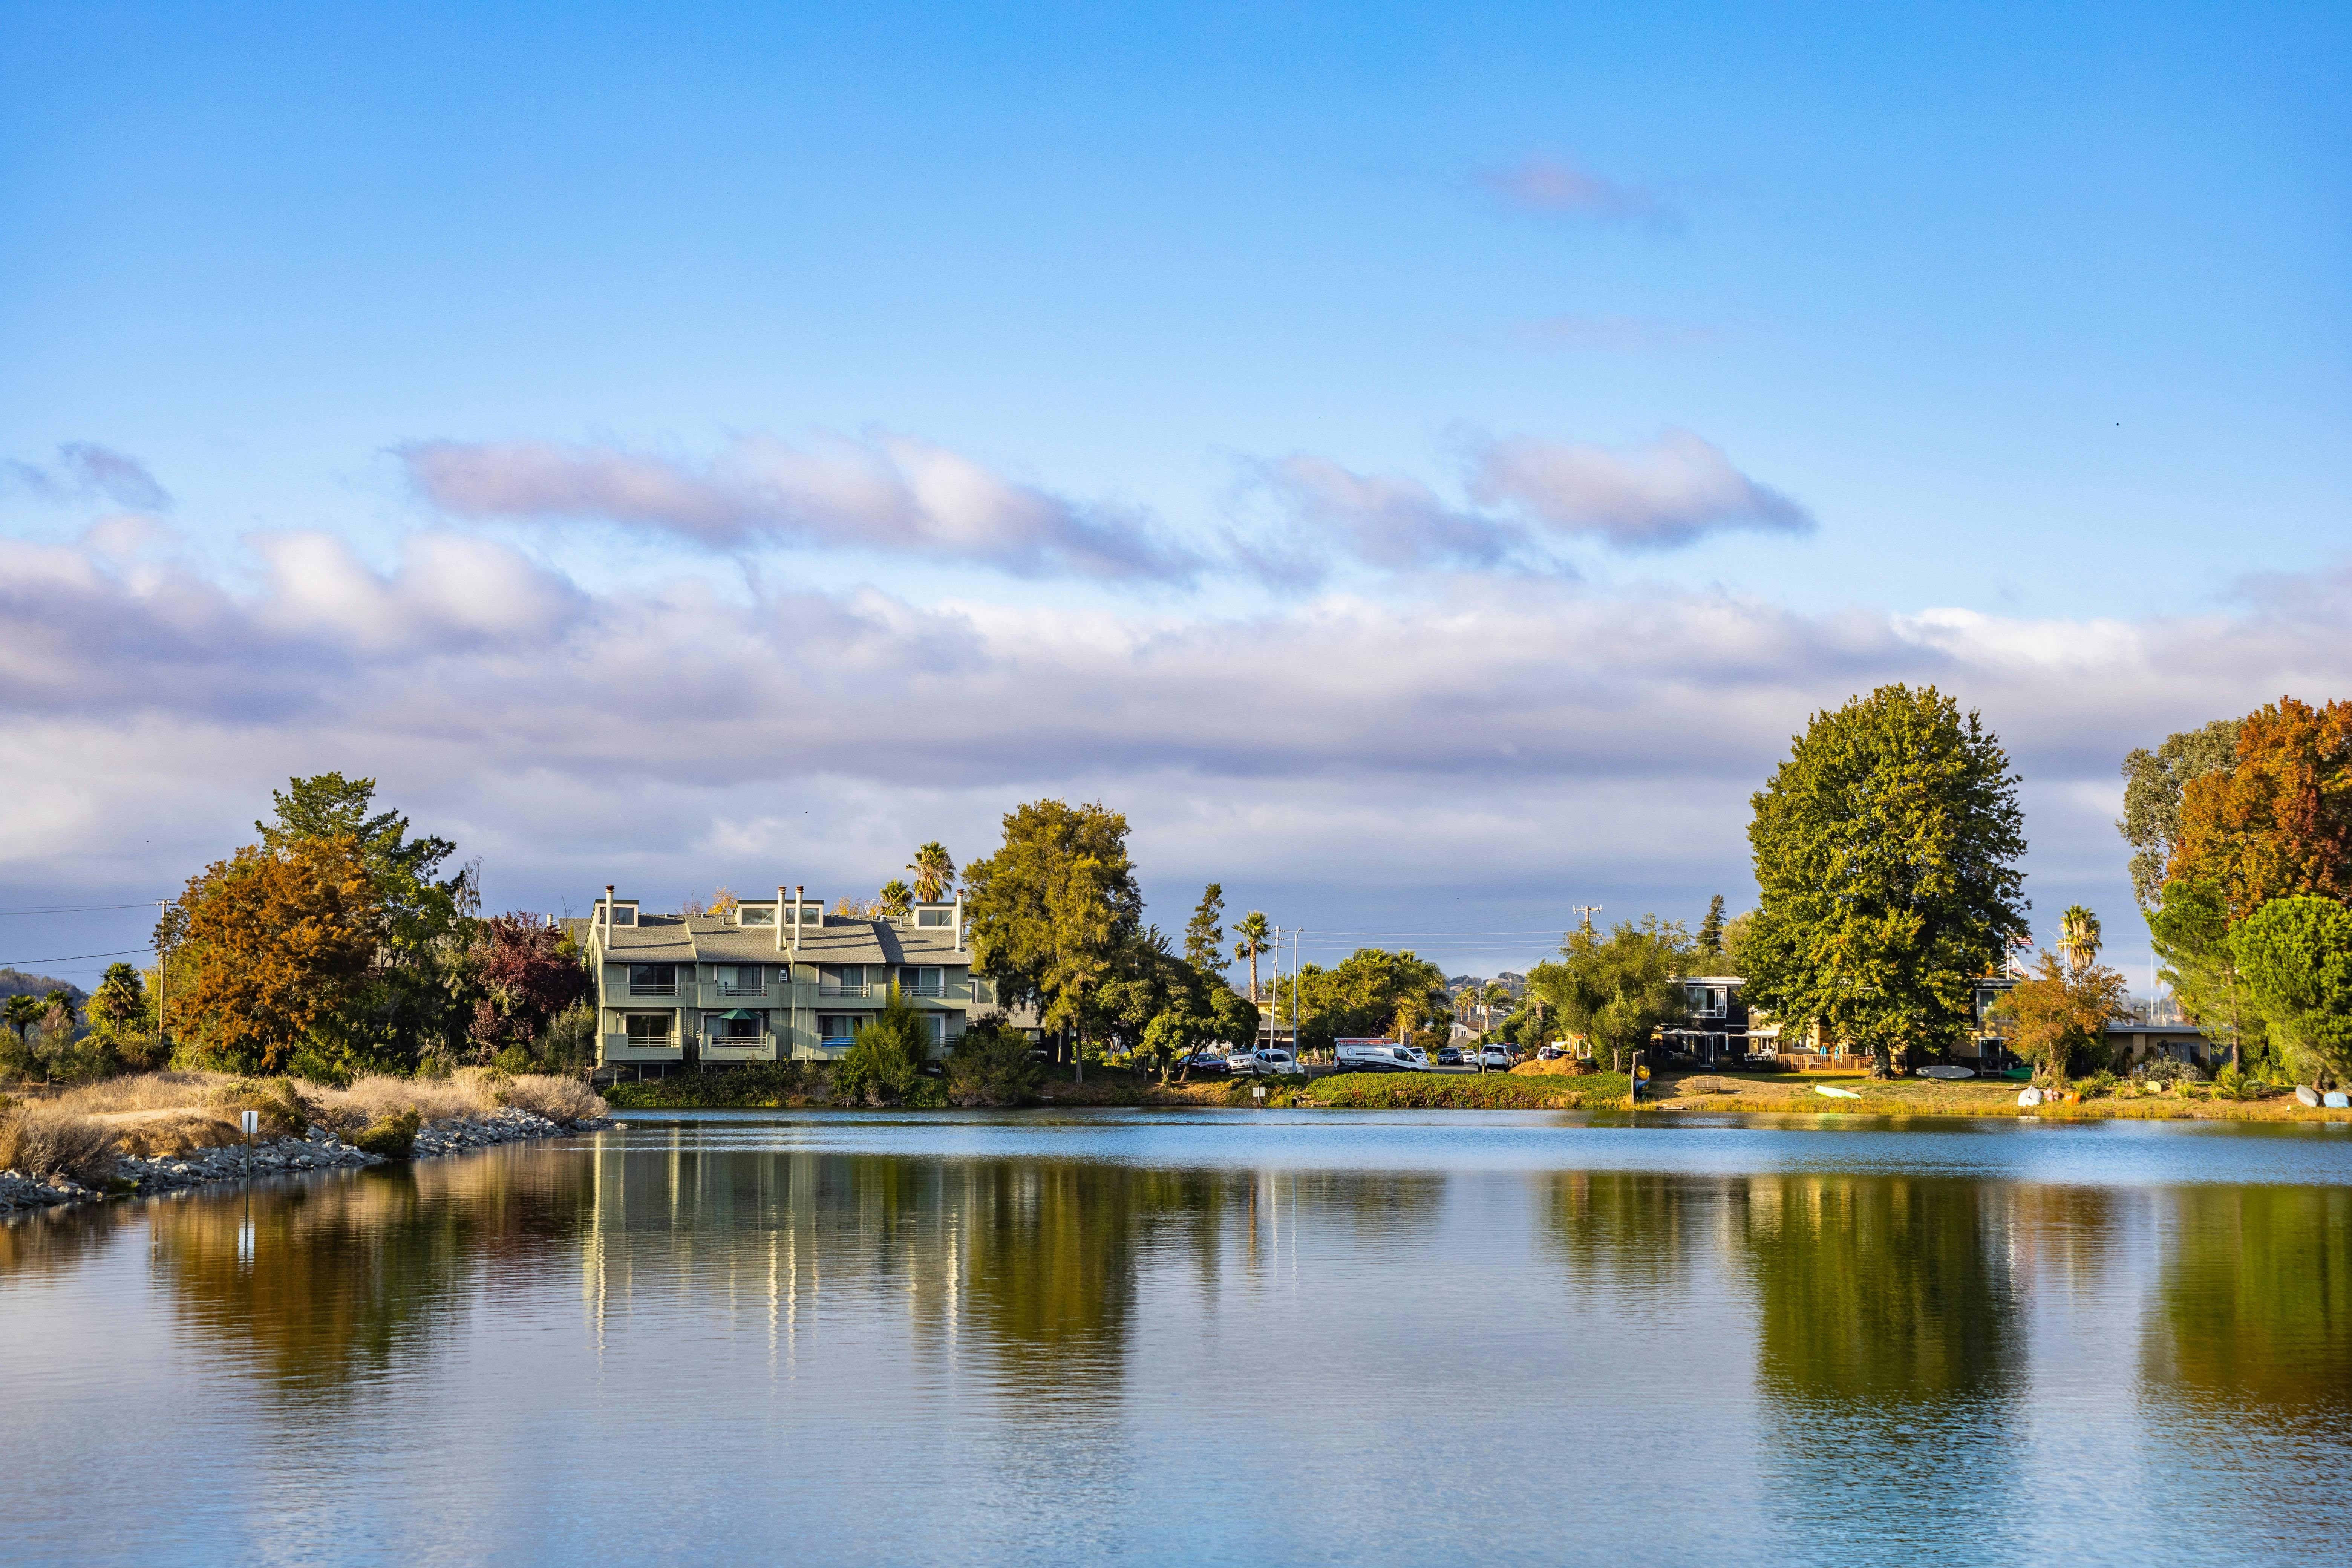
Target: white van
1379	1055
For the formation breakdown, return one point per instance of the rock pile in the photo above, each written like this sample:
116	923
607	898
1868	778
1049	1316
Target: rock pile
321	1150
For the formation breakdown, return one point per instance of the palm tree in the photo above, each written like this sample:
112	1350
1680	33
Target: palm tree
23	1012
934	872
2078	937
1254	930
894	899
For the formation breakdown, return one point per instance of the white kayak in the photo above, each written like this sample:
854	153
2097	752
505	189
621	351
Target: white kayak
2307	1095
2337	1099
1835	1093
1948	1072
2029	1095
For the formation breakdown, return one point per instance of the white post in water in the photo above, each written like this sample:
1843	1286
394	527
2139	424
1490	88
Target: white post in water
251	1121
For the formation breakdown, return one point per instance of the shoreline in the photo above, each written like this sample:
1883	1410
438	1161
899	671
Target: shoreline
161	1175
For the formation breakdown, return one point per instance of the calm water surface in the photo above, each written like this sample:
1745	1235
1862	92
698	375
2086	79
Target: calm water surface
1207	1338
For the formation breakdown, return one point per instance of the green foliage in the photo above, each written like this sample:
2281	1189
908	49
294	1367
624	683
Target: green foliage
895	900
1886	849
1051	908
758	1086
934	870
121	1005
571	1038
2153	782
391	1137
991	1064
885	1060
1469	1091
1252	932
1618	991
1710	929
2190	930
1365	996
2295	954
1204	934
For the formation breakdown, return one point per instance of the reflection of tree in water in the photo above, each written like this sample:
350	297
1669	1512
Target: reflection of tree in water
2255	1300
340	1276
47	1241
1880	1290
1627	1229
1049	1259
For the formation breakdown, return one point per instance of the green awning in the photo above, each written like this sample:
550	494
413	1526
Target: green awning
738	1014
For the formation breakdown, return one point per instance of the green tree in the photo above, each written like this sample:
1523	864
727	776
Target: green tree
1616	991
895	900
2190	929
1363	996
2153	782
1710	929
934	871
885	1061
1886	849
991	1065
121	1005
2295	954
24	1011
1204	934
1254	933
1175	1034
1051	908
2078	937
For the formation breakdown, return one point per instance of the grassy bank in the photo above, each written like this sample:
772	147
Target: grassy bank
1793	1094
81	1131
1466	1091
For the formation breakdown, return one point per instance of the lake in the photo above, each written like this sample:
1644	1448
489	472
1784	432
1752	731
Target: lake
1211	1337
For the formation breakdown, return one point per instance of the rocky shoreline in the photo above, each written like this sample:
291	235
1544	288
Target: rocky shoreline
321	1150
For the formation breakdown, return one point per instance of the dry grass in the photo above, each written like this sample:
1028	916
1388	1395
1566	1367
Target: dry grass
556	1098
153	1135
466	1093
49	1141
144	1091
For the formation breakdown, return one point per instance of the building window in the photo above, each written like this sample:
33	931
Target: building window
755	915
933	917
838	1028
935	1030
653	980
841	980
623	914
648	1029
920	982
725	1028
739	980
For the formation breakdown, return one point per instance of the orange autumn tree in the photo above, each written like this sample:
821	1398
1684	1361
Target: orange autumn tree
2278	824
269	945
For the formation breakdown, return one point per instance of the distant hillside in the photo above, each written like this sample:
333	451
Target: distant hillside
16	982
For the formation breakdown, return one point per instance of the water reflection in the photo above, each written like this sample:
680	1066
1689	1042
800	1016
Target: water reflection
2254	1304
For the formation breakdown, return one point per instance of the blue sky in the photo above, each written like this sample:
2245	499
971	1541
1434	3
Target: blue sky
1412	458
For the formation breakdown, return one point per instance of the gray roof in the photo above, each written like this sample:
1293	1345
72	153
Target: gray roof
706	939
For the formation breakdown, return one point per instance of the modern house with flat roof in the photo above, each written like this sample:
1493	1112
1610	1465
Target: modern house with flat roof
768	980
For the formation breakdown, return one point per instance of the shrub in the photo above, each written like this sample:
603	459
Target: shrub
760	1086
991	1064
48	1141
1482	1091
571	1038
886	1058
2164	1069
564	1100
284	1113
394	1137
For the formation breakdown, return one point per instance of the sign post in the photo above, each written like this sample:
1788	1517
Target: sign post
251	1121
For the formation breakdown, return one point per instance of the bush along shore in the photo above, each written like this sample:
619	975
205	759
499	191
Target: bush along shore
164	1132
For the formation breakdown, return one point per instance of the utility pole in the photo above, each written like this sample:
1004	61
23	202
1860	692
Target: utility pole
1587	911
162	985
1274	1014
1296	1060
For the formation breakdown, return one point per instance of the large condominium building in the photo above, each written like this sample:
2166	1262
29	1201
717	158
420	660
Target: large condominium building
769	980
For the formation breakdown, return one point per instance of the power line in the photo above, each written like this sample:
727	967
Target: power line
70	957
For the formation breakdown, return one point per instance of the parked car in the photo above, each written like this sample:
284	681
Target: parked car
1205	1061
1449	1056
1548	1053
1494	1056
1272	1060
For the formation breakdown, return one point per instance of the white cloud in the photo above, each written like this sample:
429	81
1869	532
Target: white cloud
86	471
1667	494
1513	738
883	494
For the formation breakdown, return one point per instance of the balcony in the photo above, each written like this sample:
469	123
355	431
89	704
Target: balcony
738	1048
652	988
830	989
619	1047
717	993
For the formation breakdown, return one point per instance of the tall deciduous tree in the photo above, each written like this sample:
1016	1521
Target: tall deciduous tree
277	944
1617	990
1050	908
2058	1019
2153	783
1363	995
2277	823
1886	849
2190	929
1204	934
530	973
2295	954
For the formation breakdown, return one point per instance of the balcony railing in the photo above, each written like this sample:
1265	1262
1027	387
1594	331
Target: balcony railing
652	988
848	988
741	988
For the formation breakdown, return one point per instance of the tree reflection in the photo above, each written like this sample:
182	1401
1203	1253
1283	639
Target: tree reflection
324	1279
2255	1298
1878	1290
1625	1228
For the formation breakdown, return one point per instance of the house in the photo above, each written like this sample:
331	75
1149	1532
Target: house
768	980
1719	1026
2137	1044
1714	1026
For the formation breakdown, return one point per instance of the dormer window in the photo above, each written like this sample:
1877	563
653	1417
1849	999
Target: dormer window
939	918
755	914
620	914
